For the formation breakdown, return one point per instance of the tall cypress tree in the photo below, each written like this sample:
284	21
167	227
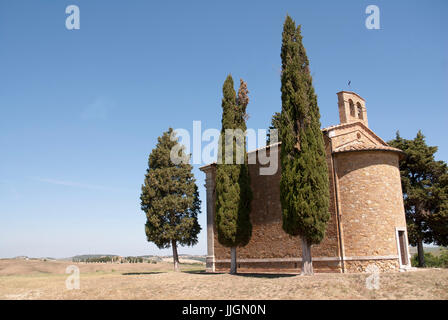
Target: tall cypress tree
275	124
233	192
425	190
304	186
170	198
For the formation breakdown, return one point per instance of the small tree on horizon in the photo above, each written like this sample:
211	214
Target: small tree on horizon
170	198
233	191
304	185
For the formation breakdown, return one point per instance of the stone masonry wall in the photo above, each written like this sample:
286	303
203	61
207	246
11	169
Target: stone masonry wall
358	266
371	202
268	238
369	198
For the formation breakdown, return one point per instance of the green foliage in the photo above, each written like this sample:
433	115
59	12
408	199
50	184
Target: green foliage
425	190
432	261
275	124
304	185
133	260
110	259
443	258
233	191
170	197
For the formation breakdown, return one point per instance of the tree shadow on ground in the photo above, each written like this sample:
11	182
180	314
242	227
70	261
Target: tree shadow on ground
249	275
141	273
201	272
266	275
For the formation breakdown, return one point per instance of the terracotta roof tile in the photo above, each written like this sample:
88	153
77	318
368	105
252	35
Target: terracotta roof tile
336	126
366	147
355	147
341	125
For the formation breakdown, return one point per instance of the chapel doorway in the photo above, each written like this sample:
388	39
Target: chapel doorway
402	247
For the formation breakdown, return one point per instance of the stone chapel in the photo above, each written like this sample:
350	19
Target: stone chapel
367	226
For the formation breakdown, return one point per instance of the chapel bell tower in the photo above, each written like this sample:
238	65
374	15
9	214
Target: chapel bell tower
352	108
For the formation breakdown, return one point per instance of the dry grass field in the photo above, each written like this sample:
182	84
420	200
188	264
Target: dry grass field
34	279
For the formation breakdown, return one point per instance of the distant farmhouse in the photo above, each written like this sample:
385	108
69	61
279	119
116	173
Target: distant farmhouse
367	225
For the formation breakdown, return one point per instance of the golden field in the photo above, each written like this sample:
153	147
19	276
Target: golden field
36	279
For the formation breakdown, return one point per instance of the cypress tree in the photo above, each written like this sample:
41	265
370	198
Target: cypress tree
425	190
170	198
304	186
275	124
233	192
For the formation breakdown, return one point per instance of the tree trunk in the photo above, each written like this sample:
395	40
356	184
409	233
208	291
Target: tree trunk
233	260
421	254
307	263
175	256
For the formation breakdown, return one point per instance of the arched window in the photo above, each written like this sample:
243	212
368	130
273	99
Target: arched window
352	108
358	105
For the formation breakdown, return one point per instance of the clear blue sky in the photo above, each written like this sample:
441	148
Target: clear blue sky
81	110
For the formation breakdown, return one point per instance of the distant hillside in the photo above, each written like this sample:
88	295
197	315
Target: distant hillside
184	258
197	258
84	257
87	256
30	258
